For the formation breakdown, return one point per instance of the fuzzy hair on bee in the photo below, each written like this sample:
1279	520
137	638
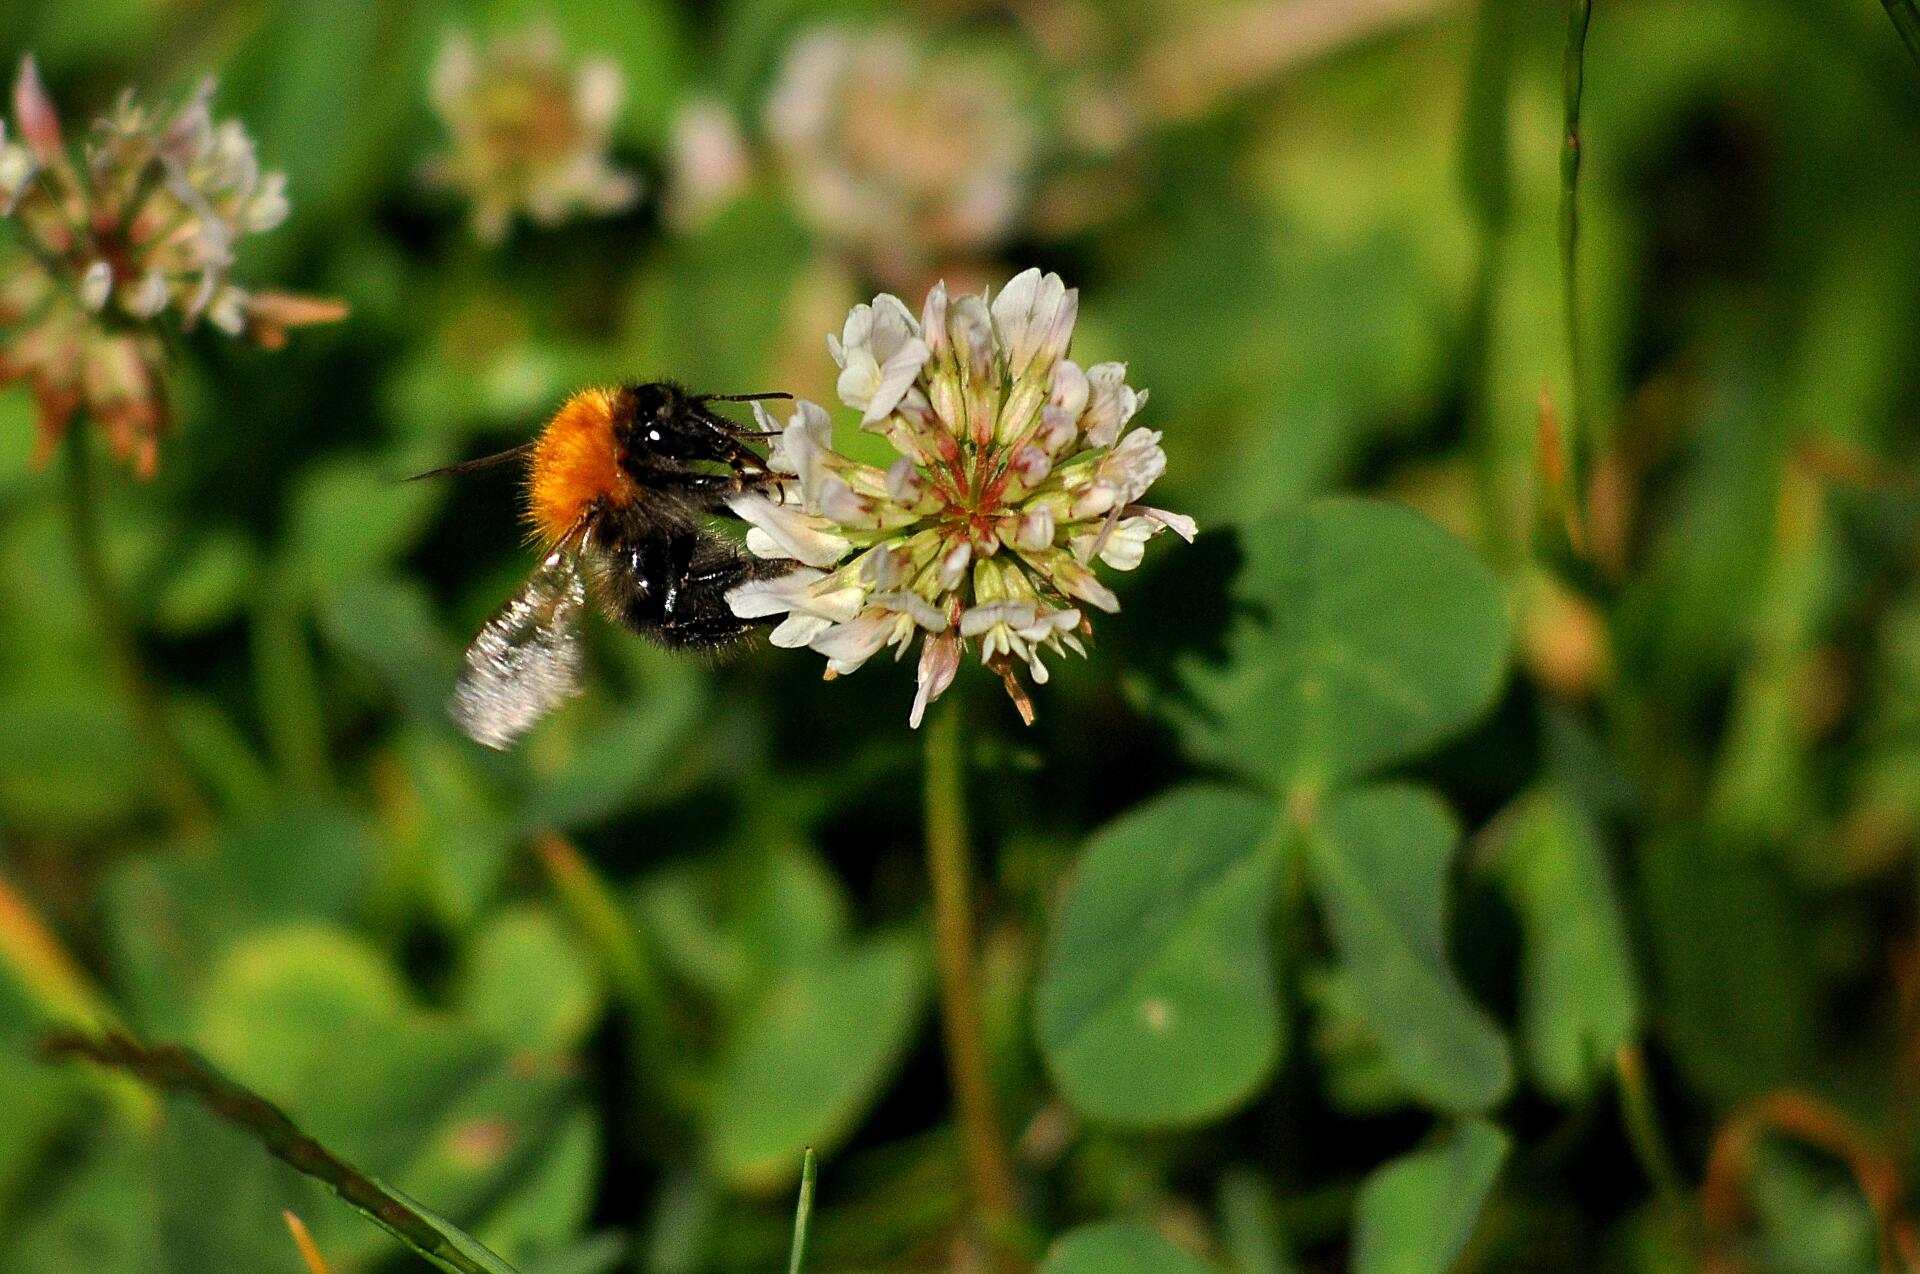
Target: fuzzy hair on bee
620	485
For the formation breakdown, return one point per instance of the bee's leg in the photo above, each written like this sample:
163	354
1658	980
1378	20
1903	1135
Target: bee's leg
679	586
703	620
708	489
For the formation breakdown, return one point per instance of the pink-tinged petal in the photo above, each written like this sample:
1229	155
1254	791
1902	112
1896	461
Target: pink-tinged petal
1032	463
1110	403
953	565
1073	579
34	111
849	645
933	321
905	482
1120	542
939	662
889	619
190	134
1058	429
1034	530
1068	389
838	502
149	296
1059	335
970	327
96	285
1179	523
270	314
1034	316
923	613
1092	501
886	568
804	447
1134	465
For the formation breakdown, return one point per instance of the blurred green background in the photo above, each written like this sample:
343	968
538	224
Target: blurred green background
1395	838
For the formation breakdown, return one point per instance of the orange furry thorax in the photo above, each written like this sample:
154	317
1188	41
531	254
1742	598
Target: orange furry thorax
576	466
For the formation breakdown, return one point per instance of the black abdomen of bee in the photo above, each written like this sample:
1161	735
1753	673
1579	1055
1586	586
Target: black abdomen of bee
671	586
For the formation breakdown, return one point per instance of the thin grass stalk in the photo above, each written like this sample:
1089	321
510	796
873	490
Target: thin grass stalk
1906	20
172	775
1642	1121
1573	85
303	1241
1486	182
174	1069
803	1212
292	711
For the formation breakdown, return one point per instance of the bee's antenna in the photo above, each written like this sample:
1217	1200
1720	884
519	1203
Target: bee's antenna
738	398
494	461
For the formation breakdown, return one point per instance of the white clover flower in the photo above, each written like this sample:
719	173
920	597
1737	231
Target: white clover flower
708	162
530	131
897	151
17	168
143	220
1017	471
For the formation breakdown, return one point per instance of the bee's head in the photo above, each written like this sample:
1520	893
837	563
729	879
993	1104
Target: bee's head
658	403
664	426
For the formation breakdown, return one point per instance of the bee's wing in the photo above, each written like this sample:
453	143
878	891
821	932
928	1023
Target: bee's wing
526	659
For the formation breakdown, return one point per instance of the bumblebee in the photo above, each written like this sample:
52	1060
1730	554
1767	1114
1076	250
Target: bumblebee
620	484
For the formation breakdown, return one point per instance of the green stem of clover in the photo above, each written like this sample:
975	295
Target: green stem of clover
983	1139
173	777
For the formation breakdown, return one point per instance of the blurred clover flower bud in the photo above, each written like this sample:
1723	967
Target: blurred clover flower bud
530	132
898	153
708	162
1017	472
142	222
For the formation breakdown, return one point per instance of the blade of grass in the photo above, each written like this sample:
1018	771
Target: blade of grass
44	968
589	903
1573	85
173	777
1642	1121
1906	20
61	989
803	1213
292	712
1486	182
175	1069
309	1250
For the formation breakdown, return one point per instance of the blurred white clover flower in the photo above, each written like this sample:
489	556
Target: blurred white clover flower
530	131
708	162
142	223
896	152
1017	471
